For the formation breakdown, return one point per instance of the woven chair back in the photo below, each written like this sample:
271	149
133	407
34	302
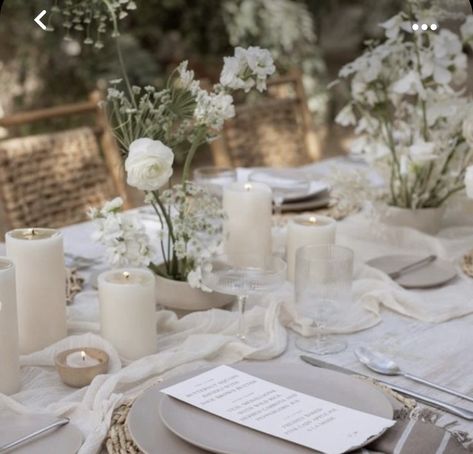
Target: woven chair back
50	180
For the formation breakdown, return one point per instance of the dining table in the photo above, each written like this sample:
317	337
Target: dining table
433	340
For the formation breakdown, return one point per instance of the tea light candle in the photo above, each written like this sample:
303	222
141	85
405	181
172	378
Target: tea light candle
247	227
307	230
79	366
9	348
81	359
127	311
38	256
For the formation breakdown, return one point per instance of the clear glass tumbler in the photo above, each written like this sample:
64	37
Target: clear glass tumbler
214	179
323	281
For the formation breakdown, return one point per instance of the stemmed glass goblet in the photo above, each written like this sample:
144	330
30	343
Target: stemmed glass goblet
243	275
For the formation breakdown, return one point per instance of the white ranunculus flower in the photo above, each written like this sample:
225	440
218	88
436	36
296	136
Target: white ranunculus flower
467	129
469	182
149	164
422	151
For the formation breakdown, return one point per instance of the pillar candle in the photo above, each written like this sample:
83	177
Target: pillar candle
247	226
127	311
9	349
307	230
38	255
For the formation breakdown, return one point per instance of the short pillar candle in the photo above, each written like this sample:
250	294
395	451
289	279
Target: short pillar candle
307	230
128	312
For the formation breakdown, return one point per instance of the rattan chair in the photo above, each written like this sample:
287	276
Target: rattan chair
49	180
275	131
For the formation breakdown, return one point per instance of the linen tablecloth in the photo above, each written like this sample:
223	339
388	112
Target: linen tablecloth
400	323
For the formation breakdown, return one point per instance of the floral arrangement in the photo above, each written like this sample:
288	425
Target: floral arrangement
149	125
411	117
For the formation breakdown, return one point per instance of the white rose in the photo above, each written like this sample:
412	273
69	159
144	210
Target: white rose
469	182
467	129
149	164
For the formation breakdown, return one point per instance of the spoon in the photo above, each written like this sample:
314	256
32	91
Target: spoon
386	366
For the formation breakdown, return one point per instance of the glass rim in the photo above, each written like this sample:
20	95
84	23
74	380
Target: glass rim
347	253
224	258
213	170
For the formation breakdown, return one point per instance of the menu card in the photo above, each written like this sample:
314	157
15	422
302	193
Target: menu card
278	411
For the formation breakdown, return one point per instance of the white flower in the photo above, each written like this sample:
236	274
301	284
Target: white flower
149	164
446	44
395	24
213	109
346	116
194	278
260	61
466	29
247	68
469	182
467	129
410	84
421	151
112	206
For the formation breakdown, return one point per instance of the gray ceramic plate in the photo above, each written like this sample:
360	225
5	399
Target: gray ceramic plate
320	201
64	440
434	274
210	433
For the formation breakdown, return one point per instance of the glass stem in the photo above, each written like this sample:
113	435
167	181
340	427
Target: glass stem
241	317
278	201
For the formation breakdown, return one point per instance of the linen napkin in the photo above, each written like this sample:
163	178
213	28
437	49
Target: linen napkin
415	437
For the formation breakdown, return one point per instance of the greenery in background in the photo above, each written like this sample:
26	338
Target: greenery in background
55	71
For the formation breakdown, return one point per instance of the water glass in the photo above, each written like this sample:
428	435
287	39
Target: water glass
323	280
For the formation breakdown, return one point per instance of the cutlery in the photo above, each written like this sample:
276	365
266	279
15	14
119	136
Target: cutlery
59	423
413	266
386	366
453	409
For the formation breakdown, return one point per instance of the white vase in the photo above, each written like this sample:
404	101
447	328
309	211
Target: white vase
427	220
179	295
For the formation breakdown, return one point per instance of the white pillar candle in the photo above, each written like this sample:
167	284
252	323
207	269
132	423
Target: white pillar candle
81	359
9	348
38	255
307	230
247	226
127	311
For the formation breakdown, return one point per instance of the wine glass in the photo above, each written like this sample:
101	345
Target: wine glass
243	275
214	179
284	183
323	279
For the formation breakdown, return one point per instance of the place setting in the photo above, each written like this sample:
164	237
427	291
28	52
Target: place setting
241	242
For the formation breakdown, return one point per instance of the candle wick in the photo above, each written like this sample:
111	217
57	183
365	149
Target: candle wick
247	186
126	275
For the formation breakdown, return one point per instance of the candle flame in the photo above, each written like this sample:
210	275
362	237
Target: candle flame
82	354
248	186
313	220
126	274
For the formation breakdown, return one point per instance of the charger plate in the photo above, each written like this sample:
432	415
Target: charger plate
196	431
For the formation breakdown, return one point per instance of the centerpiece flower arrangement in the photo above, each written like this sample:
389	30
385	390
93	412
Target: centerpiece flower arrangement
149	124
411	116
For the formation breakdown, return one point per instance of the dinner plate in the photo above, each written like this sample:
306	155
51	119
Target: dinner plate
434	274
65	440
320	201
316	188
209	433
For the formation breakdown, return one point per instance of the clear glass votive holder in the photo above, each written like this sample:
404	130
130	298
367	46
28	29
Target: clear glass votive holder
323	281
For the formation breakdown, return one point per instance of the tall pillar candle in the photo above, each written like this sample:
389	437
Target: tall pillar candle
38	255
127	311
9	349
307	230
247	227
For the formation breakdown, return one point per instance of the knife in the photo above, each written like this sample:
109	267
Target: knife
59	423
453	409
